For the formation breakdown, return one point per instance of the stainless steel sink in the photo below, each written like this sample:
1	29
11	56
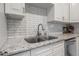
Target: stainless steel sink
38	39
52	37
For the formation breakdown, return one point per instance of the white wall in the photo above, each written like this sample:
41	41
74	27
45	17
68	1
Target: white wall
3	26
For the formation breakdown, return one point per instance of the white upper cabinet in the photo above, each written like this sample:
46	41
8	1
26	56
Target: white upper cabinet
62	11
58	12
74	12
15	9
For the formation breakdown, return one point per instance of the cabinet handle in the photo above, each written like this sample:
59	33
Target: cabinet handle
62	18
15	9
23	10
58	18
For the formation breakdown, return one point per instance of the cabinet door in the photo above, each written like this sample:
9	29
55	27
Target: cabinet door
74	12
14	7
77	46
66	14
58	49
26	53
61	11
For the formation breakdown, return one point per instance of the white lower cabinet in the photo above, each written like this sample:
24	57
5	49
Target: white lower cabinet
58	51
77	46
25	53
55	49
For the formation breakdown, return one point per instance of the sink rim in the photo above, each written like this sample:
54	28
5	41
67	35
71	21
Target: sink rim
34	39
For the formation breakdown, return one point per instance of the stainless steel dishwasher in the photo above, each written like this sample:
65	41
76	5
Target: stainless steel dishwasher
70	47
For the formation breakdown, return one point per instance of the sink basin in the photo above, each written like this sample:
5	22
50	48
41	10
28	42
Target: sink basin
39	39
51	37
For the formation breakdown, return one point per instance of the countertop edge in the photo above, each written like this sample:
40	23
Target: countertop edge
23	50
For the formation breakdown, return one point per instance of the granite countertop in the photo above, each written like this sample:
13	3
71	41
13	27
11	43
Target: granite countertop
25	46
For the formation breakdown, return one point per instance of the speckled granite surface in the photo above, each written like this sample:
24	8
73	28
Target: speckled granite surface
24	46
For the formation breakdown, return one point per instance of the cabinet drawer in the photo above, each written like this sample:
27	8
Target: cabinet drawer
46	53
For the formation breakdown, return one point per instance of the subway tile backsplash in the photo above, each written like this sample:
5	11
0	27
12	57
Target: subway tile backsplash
16	28
55	28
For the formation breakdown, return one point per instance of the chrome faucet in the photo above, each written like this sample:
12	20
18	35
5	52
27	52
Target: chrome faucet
38	33
39	36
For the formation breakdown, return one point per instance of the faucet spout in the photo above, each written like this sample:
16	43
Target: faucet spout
38	33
